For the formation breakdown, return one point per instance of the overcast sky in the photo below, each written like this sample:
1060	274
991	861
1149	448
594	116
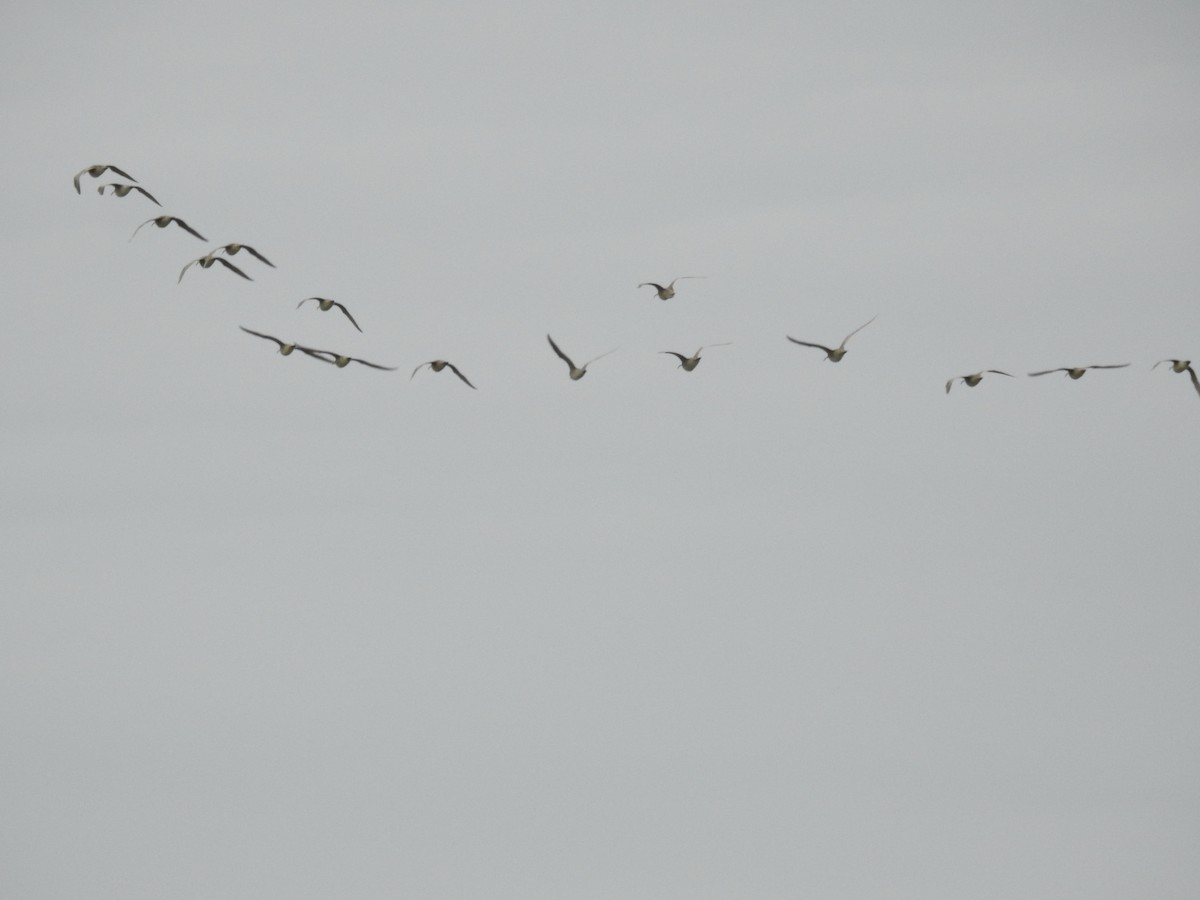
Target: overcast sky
775	627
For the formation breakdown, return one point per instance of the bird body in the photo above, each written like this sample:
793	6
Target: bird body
206	262
577	372
284	349
834	354
164	221
97	171
668	291
688	363
325	305
122	190
973	379
1076	373
437	365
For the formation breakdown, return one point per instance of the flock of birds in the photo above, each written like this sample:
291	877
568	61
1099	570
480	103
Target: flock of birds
663	292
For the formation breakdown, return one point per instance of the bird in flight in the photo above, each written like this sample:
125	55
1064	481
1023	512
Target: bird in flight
206	262
1076	373
577	372
164	221
437	365
972	380
834	354
122	190
1181	365
687	363
284	349
96	172
232	250
327	305
666	293
341	361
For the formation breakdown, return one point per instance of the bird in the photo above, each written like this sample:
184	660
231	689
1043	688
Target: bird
284	349
1181	365
97	171
232	250
122	190
834	355
206	262
327	305
666	293
687	363
577	372
1076	373
972	380
437	365
341	361
164	221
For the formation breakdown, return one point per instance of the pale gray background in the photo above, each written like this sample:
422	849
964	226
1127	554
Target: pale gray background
774	628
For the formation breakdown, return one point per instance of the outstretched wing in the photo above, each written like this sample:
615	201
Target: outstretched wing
374	365
454	369
807	344
858	329
138	187
348	316
562	355
678	356
950	382
258	256
1119	366
122	174
227	264
1195	380
601	356
997	372
1047	372
188	228
265	336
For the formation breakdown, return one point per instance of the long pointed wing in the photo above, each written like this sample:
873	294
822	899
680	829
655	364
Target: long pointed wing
318	354
188	228
1047	372
122	174
185	268
258	256
601	356
348	316
997	372
374	365
227	264
416	370
655	285
1120	366
562	355
722	344
140	227
807	344
146	192
858	329
1195	380
679	356
454	369
77	174
265	336
949	383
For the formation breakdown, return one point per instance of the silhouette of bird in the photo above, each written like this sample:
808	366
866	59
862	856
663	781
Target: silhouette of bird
164	221
327	305
834	354
97	171
972	380
206	262
1181	365
122	190
437	365
341	361
687	363
284	349
666	293
232	250
1076	373
577	372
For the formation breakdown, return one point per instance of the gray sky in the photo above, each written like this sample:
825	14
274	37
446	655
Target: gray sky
772	628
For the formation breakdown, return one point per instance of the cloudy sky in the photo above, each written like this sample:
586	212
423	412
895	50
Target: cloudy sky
774	627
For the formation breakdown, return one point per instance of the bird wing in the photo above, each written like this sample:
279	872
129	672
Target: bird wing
1195	380
137	187
266	336
185	268
374	365
186	227
562	355
680	356
857	330
997	372
722	344
454	369
318	354
77	174
655	285
348	316
601	356
306	299
258	256
1047	372
417	369
1119	366
122	174
227	264
950	382
807	344
140	227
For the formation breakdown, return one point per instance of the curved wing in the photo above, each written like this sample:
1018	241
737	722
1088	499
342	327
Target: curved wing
188	228
258	256
858	329
227	264
807	344
601	356
265	336
347	314
560	354
454	369
138	187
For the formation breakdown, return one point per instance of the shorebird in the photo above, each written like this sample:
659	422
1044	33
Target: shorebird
122	190
437	365
972	380
232	250
341	361
687	363
327	305
164	221
1077	373
831	354
284	349
1181	365
577	372
96	172
666	293
206	262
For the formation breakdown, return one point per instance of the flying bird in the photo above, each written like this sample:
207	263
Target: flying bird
666	293
284	349
687	363
832	354
1077	373
1181	365
122	190
96	172
341	361
232	250
327	305
972	380
206	262
577	372
437	365
164	221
